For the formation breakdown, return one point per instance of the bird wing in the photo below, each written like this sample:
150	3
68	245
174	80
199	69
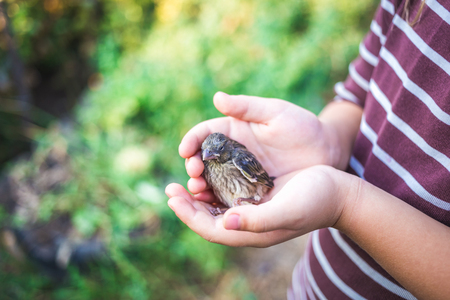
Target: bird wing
250	167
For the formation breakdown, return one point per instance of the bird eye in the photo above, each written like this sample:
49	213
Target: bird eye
221	148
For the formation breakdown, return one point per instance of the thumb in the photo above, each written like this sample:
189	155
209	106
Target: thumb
249	108
255	218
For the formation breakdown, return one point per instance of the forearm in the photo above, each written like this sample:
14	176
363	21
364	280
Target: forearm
341	120
411	246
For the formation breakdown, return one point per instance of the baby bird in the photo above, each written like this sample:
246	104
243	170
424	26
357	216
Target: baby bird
233	172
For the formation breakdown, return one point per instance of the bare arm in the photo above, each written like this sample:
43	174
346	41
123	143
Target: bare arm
342	120
413	247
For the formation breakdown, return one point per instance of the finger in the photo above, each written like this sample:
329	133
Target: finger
192	141
197	217
181	207
249	108
194	165
197	185
261	218
177	190
187	210
206	196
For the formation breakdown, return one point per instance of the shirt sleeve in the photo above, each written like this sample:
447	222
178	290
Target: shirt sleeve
356	85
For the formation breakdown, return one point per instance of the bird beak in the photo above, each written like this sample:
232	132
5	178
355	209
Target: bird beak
207	155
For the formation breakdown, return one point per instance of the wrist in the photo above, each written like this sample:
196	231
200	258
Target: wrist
338	191
349	197
340	121
336	154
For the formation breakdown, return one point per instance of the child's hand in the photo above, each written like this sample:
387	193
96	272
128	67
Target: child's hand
300	202
284	137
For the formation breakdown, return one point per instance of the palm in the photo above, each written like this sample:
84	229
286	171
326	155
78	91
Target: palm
290	213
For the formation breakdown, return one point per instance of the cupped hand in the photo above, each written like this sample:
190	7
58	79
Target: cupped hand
301	202
283	136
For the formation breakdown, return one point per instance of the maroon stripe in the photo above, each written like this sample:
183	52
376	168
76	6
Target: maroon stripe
355	89
445	4
425	169
368	259
420	69
348	272
325	285
373	43
434	31
381	176
434	177
375	114
363	68
363	150
415	113
384	19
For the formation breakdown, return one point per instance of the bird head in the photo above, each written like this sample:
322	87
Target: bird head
216	146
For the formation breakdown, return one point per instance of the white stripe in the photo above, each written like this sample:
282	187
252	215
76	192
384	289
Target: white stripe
357	167
398	169
414	88
297	282
364	84
329	270
367	55
388	6
368	132
367	269
304	285
406	129
439	10
310	277
304	282
309	290
376	29
344	93
421	45
290	294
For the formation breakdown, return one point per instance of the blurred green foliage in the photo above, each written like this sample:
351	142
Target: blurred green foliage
153	67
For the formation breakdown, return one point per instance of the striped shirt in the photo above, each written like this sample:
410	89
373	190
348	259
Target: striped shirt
402	80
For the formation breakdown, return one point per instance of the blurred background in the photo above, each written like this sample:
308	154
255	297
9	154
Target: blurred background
95	96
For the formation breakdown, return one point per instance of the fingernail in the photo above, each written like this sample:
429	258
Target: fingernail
233	222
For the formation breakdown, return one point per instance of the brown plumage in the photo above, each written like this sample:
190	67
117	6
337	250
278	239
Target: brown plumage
233	172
